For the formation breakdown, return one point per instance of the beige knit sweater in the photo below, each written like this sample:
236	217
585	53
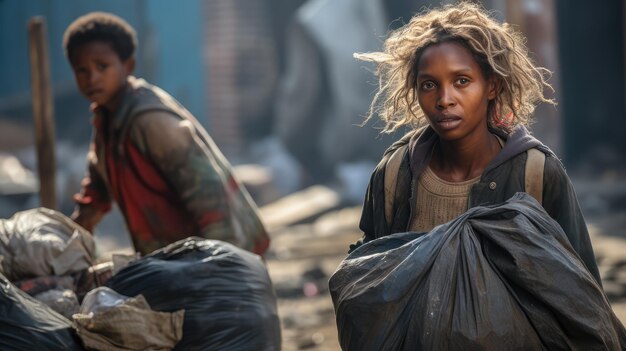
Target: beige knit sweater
439	201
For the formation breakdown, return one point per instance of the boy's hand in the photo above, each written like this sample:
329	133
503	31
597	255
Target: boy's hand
86	217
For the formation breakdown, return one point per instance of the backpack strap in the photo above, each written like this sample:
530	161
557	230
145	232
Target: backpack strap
533	177
533	180
391	180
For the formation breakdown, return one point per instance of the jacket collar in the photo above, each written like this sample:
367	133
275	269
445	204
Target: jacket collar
519	140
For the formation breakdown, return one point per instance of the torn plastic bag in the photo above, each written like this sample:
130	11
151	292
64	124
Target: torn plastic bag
495	278
108	321
42	242
226	293
27	324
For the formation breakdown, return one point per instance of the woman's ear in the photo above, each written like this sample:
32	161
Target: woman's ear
494	87
129	65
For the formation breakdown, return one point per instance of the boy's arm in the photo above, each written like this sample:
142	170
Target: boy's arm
174	147
93	201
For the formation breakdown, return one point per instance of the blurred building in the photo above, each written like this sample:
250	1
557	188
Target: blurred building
243	46
583	44
325	93
169	55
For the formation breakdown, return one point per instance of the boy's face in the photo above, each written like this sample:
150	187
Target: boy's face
100	73
453	92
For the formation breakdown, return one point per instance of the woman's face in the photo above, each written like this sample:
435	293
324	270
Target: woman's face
453	91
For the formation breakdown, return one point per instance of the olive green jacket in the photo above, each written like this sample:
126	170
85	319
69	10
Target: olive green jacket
501	179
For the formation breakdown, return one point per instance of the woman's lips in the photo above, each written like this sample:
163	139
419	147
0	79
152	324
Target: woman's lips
448	122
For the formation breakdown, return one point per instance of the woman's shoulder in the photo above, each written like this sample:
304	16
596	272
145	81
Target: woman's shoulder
554	168
395	150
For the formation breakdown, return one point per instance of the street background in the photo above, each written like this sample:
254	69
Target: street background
275	84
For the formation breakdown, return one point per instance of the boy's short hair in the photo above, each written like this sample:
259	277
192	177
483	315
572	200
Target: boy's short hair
101	26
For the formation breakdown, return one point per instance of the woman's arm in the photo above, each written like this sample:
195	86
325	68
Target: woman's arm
560	201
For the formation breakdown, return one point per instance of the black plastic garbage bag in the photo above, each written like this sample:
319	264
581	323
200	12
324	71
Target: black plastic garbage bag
226	293
27	324
495	278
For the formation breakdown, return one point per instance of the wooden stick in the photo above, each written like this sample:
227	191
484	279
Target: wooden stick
42	110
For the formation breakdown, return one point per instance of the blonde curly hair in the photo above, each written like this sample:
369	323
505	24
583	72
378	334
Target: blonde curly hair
497	48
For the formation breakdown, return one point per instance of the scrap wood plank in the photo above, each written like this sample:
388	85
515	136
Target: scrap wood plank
299	207
42	110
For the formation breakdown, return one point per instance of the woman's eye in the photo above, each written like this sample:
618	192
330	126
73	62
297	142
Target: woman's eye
428	85
102	66
463	81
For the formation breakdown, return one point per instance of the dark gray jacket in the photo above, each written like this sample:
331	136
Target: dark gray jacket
502	178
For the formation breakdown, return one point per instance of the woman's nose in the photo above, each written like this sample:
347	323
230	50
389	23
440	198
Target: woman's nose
445	98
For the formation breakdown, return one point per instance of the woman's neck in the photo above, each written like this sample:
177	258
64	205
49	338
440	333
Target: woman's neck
458	161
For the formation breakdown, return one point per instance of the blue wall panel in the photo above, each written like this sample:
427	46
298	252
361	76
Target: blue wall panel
169	53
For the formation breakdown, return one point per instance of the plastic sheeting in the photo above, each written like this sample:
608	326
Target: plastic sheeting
496	278
226	293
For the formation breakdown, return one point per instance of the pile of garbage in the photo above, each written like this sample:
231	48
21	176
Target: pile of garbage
193	294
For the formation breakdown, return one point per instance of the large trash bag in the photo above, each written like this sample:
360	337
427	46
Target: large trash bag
27	324
226	293
495	278
42	242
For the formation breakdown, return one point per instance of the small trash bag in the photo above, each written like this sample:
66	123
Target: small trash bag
110	321
226	293
27	324
495	278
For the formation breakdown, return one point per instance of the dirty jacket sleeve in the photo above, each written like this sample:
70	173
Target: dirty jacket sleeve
174	147
560	201
373	222
94	197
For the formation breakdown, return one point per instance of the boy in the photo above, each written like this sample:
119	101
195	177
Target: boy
148	153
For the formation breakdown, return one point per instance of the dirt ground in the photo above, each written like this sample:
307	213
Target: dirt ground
300	261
